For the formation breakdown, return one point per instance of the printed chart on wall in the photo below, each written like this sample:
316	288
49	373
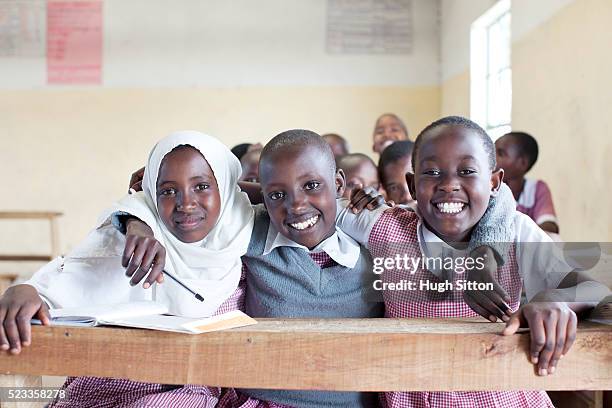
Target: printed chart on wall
369	26
74	42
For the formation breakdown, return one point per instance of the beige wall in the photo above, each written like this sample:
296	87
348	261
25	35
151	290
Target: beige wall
562	93
455	95
73	151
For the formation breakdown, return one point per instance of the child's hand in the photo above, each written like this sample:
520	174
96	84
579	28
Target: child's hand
553	331
136	179
142	253
489	304
367	197
17	307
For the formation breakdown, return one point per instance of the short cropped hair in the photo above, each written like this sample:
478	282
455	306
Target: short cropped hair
298	138
527	146
487	143
392	153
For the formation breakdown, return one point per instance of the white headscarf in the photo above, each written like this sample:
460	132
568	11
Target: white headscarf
212	266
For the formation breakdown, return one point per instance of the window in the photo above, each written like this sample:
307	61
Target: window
491	75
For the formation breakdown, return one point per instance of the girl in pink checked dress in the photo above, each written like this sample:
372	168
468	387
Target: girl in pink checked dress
454	177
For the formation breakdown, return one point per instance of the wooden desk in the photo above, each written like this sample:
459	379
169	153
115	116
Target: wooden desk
349	354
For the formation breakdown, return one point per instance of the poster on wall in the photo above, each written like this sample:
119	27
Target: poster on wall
74	42
22	28
369	26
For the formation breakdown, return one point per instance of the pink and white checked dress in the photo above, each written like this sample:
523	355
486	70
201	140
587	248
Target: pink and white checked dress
395	232
85	392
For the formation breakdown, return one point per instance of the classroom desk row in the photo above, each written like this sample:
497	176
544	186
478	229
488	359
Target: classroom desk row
335	354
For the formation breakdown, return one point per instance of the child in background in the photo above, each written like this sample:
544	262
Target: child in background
360	171
250	165
240	149
454	178
395	161
517	152
338	144
389	128
193	204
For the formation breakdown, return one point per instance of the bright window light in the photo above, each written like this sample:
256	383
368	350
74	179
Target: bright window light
490	71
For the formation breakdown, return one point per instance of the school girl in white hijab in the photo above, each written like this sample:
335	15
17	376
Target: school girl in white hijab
92	273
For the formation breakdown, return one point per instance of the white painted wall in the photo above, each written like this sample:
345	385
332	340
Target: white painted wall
187	43
456	19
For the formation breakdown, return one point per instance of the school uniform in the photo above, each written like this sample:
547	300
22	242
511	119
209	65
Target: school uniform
92	273
536	201
286	279
389	232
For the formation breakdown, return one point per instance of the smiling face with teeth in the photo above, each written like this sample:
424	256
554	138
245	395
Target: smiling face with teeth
453	181
300	189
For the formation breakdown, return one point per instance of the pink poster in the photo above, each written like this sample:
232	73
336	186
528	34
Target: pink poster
74	42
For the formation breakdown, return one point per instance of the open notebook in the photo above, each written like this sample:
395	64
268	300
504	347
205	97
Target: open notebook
145	315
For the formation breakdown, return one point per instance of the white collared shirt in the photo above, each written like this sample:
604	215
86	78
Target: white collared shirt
340	247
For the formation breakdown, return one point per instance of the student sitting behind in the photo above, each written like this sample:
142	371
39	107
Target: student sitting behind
517	152
250	164
389	128
454	178
338	144
395	161
360	172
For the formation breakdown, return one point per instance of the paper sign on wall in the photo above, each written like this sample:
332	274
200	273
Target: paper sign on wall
74	42
369	26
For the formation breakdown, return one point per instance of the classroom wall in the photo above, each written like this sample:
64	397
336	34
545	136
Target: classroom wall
558	62
563	95
73	148
456	19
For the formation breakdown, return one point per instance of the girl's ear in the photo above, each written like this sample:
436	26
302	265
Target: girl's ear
411	185
340	183
497	177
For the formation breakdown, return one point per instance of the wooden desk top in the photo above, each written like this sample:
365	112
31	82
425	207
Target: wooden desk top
347	354
11	215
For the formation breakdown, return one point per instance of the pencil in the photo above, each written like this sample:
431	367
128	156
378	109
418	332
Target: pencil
193	292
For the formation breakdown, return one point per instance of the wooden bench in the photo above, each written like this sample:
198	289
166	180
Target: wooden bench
7	279
340	354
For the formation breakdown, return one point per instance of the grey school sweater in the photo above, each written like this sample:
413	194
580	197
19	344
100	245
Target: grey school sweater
288	283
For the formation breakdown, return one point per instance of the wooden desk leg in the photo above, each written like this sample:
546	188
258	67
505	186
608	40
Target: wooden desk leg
17	381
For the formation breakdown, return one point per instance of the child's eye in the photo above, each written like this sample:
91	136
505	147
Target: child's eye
167	192
432	172
276	195
202	187
467	172
312	185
